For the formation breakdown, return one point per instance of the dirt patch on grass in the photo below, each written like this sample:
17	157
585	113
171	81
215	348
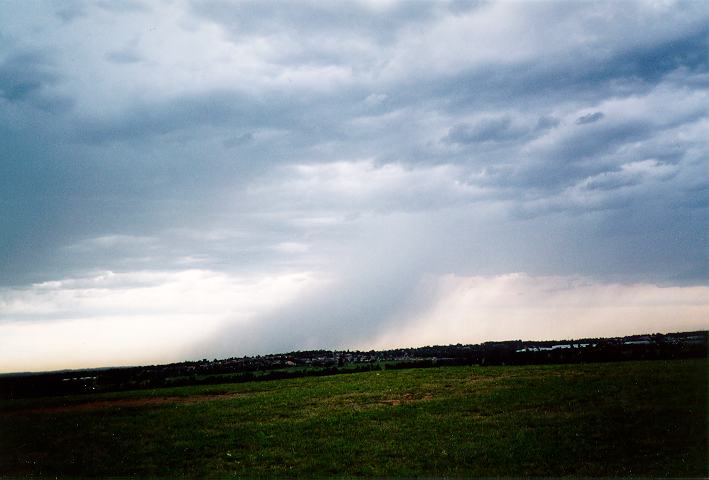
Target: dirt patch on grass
407	398
359	401
128	403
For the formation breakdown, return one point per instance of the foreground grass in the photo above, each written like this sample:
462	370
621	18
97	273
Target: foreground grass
616	419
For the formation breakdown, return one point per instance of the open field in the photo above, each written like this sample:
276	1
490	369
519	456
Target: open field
611	419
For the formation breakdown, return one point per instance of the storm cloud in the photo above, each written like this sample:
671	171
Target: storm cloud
306	174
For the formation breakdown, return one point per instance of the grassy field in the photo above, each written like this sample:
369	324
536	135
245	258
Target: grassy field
613	419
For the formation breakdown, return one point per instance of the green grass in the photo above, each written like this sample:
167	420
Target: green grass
615	419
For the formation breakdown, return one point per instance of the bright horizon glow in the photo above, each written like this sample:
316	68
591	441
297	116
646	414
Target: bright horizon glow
142	324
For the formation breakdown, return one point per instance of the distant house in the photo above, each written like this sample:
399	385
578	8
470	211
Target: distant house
555	347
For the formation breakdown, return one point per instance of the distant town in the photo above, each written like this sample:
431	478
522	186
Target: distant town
328	362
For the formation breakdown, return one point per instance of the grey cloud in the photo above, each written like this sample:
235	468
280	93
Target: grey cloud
71	10
212	108
547	122
589	118
123	56
608	181
594	149
122	6
486	130
267	17
600	140
582	77
238	140
316	116
651	63
497	129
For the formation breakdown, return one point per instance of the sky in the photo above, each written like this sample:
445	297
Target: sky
205	179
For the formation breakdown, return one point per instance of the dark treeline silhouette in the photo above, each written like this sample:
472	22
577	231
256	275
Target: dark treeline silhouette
325	362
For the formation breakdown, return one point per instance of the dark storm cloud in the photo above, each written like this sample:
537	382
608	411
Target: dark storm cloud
370	143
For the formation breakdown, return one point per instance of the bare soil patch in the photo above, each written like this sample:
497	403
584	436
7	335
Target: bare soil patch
408	398
128	403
